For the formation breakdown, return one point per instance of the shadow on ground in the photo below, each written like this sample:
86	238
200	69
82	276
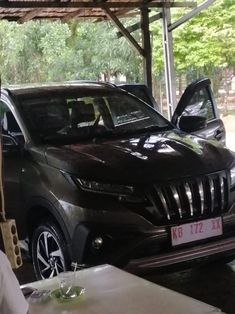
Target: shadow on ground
213	283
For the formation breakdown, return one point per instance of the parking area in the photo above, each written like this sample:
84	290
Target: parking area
213	284
92	175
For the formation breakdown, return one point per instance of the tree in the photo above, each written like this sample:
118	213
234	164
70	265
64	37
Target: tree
55	51
205	45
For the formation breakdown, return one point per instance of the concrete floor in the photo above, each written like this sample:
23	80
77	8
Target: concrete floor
213	283
229	123
230	140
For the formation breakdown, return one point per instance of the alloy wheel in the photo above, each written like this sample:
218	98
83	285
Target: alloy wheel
50	257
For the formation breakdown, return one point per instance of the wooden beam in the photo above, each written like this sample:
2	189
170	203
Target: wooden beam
118	13
71	15
123	30
55	16
80	4
136	26
29	16
83	14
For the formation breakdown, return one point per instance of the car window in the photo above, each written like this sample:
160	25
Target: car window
140	91
200	105
3	108
9	124
74	117
123	114
47	115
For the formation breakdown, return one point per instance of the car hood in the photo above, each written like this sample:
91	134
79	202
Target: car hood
141	158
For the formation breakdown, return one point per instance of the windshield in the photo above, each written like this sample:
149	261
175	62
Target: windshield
67	119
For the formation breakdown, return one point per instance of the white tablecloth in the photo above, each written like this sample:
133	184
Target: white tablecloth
110	290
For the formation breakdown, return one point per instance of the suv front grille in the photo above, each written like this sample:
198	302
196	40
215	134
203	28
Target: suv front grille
197	197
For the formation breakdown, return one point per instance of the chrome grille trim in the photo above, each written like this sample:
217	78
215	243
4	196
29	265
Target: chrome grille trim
212	193
202	197
190	197
163	201
222	189
177	200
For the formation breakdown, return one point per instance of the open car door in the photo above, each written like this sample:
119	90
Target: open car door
197	112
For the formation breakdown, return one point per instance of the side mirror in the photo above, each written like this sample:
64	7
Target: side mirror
9	144
192	123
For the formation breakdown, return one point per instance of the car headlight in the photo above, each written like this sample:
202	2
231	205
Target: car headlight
232	176
97	187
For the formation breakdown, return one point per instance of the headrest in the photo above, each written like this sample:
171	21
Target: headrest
82	112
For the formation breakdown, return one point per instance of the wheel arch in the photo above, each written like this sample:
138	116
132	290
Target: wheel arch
49	250
40	210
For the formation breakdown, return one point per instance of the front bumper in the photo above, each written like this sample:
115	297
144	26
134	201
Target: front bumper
216	248
130	239
136	249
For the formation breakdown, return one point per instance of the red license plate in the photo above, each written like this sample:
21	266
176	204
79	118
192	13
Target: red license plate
197	230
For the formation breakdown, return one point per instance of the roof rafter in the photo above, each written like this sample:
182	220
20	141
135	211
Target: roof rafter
29	16
122	29
71	15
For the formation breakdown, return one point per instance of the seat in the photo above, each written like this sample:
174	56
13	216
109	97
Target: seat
82	114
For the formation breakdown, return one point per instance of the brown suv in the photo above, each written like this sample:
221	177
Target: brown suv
92	174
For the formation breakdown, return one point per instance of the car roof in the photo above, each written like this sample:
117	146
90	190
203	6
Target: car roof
41	89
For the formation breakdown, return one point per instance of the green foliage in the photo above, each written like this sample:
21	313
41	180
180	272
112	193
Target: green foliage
103	53
204	45
55	51
203	41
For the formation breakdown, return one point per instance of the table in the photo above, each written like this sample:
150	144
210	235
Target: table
110	290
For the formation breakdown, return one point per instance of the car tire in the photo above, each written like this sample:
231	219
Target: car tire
48	249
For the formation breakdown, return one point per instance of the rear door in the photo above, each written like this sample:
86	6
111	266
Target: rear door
198	100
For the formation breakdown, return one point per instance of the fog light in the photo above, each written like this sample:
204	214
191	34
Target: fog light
97	243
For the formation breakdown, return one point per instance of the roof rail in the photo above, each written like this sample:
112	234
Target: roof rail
94	82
